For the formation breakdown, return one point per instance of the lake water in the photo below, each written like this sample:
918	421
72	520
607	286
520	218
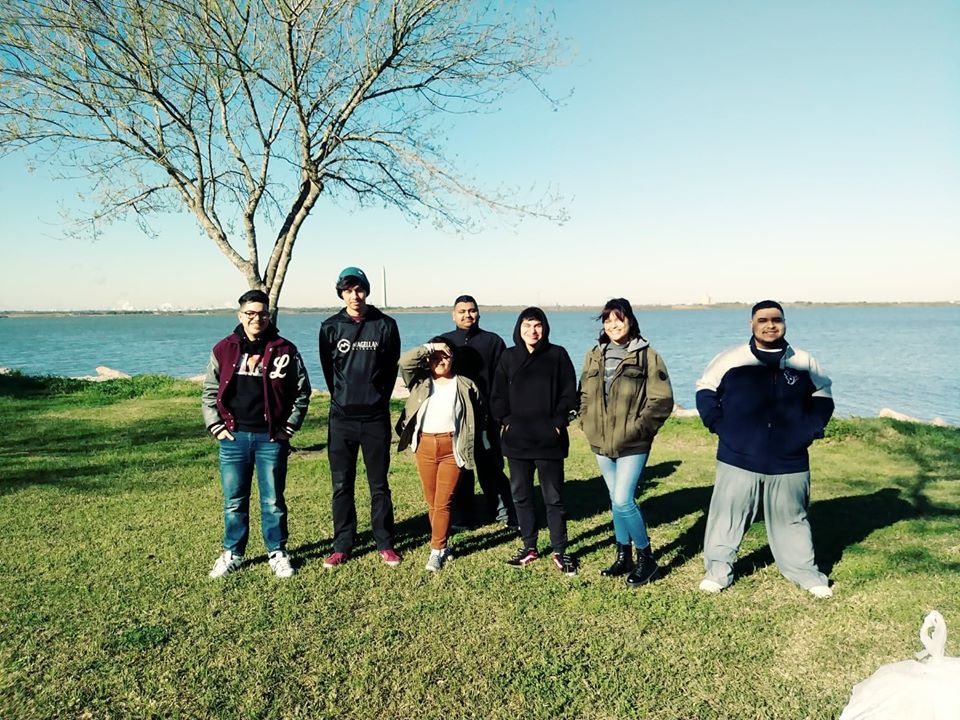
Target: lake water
903	358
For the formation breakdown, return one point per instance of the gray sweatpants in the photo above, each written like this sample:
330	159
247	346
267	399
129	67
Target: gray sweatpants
733	508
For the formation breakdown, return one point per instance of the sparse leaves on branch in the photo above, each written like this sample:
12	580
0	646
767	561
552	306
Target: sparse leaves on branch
245	111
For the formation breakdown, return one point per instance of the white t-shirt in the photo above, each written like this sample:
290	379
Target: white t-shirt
438	415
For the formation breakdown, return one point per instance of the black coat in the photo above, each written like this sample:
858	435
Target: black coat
533	395
479	354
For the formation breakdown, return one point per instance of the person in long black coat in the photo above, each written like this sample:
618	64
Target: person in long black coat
534	391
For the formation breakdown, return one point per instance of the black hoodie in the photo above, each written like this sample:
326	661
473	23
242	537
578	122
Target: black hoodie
359	361
533	394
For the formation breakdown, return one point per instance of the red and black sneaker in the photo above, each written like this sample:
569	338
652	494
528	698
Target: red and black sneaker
335	560
390	557
524	557
565	563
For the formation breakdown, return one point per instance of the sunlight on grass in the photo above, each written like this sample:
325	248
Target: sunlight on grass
112	514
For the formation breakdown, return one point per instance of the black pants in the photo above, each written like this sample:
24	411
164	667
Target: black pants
551	485
345	439
497	500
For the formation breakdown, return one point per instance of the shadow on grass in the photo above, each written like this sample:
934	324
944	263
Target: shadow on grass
410	533
583	499
840	523
590	497
81	456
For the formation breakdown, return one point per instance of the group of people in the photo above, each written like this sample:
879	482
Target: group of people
473	402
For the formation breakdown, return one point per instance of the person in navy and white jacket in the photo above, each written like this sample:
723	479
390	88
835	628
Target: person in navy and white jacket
255	396
767	402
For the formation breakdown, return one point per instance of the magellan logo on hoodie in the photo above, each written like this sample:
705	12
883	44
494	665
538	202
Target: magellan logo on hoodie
344	346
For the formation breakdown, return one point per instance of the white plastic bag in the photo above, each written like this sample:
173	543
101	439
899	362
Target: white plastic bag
923	689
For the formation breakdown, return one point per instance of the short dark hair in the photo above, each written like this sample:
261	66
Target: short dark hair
764	304
254	296
454	351
465	298
622	309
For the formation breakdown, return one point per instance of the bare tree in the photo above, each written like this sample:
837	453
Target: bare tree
245	111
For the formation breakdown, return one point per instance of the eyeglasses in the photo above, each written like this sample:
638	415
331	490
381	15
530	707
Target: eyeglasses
250	314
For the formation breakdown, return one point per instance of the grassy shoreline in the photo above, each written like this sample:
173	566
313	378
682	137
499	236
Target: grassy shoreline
112	508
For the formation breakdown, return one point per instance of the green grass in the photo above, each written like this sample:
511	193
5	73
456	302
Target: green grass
111	512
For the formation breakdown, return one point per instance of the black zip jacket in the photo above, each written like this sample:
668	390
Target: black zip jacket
359	361
480	352
533	395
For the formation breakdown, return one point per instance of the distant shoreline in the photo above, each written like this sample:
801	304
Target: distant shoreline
483	308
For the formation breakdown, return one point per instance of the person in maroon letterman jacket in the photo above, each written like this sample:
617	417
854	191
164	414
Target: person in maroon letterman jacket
255	397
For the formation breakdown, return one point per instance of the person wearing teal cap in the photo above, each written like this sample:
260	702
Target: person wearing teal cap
359	350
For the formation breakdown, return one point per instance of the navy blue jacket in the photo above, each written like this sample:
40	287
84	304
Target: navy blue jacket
765	407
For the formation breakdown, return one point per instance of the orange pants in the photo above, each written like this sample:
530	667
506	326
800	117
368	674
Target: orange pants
438	474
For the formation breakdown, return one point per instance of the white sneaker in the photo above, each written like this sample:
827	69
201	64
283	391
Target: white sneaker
280	564
820	591
226	564
709	586
435	561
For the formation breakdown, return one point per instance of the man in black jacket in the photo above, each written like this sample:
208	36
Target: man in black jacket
359	349
534	391
479	354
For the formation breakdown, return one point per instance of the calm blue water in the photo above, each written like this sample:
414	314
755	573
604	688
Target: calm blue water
902	358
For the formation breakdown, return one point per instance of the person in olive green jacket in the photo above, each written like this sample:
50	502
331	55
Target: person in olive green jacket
625	396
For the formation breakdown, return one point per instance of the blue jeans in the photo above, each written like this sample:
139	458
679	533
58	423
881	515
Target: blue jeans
622	475
238	458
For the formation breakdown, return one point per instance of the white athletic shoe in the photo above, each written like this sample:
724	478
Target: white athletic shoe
434	562
709	586
280	564
820	591
226	564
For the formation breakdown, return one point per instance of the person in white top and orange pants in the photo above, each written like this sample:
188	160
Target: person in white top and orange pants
439	423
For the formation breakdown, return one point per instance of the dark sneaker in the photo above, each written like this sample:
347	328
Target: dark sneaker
335	559
567	564
524	557
390	557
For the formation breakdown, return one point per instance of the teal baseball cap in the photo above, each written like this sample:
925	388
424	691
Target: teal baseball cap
351	276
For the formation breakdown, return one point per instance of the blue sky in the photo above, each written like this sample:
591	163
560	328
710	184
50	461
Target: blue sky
736	150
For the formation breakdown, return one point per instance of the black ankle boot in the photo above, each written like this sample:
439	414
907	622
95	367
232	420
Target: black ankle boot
646	570
622	564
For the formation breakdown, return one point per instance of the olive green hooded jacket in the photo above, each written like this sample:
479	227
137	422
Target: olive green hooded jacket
638	403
